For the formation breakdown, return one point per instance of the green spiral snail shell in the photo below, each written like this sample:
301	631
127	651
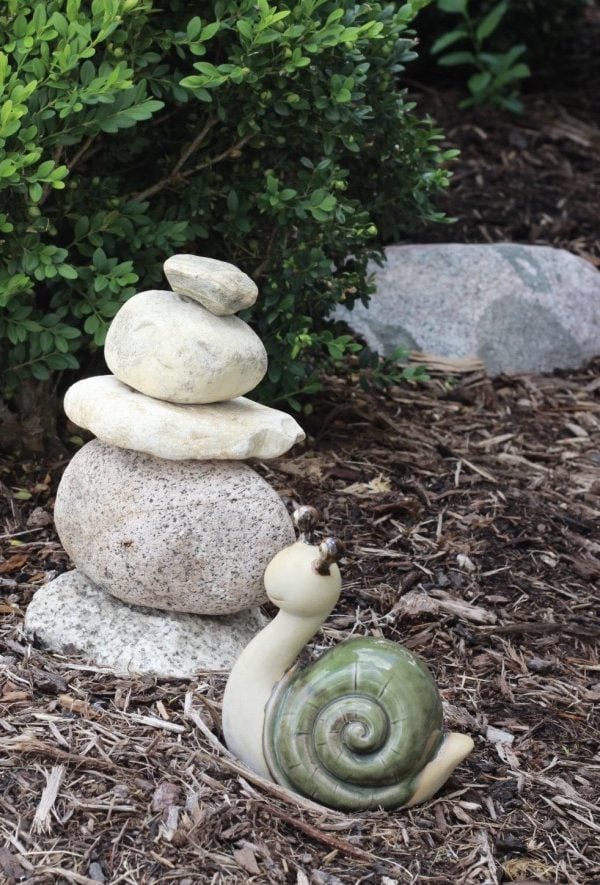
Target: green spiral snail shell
354	729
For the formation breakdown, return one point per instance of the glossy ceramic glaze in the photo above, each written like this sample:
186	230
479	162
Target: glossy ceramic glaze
354	728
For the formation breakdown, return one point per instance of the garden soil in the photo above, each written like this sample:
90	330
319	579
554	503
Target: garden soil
469	513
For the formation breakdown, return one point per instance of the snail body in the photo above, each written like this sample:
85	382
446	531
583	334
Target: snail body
360	728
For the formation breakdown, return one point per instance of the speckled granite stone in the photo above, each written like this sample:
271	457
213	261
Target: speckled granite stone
236	429
519	308
73	617
222	288
173	349
191	536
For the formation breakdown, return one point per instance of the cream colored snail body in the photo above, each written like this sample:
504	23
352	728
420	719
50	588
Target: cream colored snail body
360	728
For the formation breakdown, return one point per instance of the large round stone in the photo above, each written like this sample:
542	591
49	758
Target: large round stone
187	536
173	349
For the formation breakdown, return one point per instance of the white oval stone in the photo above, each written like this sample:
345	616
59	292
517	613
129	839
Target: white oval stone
71	616
173	349
222	288
232	430
187	536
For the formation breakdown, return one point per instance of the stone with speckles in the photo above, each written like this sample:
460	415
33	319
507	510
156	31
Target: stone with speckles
73	617
187	536
519	308
173	349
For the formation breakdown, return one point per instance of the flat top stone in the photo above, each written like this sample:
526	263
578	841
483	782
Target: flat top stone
233	430
220	287
72	616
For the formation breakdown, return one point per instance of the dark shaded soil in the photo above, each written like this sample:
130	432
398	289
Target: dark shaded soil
534	177
470	515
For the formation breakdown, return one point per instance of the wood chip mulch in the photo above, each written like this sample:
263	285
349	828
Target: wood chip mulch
469	512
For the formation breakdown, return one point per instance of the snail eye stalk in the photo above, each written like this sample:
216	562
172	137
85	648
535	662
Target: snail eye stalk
329	552
306	520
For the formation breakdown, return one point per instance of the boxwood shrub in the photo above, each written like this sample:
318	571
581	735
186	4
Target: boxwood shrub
271	135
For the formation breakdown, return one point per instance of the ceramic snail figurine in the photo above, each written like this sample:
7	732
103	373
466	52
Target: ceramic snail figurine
361	727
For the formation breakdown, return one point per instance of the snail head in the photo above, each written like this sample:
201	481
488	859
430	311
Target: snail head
303	580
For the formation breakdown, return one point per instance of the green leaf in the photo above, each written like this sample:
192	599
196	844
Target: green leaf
67	271
91	324
491	21
448	40
479	82
194	27
36	192
40	372
457	58
452	5
209	31
232	201
23	494
245	28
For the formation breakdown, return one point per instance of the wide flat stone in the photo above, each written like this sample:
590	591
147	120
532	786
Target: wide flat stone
191	536
221	287
232	430
168	347
73	617
519	308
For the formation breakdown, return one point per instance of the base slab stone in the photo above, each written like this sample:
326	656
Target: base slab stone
72	616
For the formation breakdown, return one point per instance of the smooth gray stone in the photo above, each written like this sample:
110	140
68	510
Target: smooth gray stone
232	430
174	349
220	287
73	617
519	308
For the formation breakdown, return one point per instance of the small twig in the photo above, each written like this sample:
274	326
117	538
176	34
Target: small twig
22	744
176	173
259	271
193	146
320	835
69	875
41	820
462	609
542	628
82	150
222	156
19	534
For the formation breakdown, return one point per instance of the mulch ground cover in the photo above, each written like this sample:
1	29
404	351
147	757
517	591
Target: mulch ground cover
469	513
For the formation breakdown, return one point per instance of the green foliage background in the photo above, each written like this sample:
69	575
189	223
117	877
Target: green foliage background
497	44
270	135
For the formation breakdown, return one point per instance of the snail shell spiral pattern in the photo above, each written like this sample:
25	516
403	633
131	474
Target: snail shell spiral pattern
355	728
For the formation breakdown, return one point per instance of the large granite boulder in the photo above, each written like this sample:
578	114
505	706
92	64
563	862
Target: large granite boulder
519	308
187	536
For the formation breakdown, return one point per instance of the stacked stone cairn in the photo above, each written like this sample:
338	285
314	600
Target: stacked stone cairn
170	531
